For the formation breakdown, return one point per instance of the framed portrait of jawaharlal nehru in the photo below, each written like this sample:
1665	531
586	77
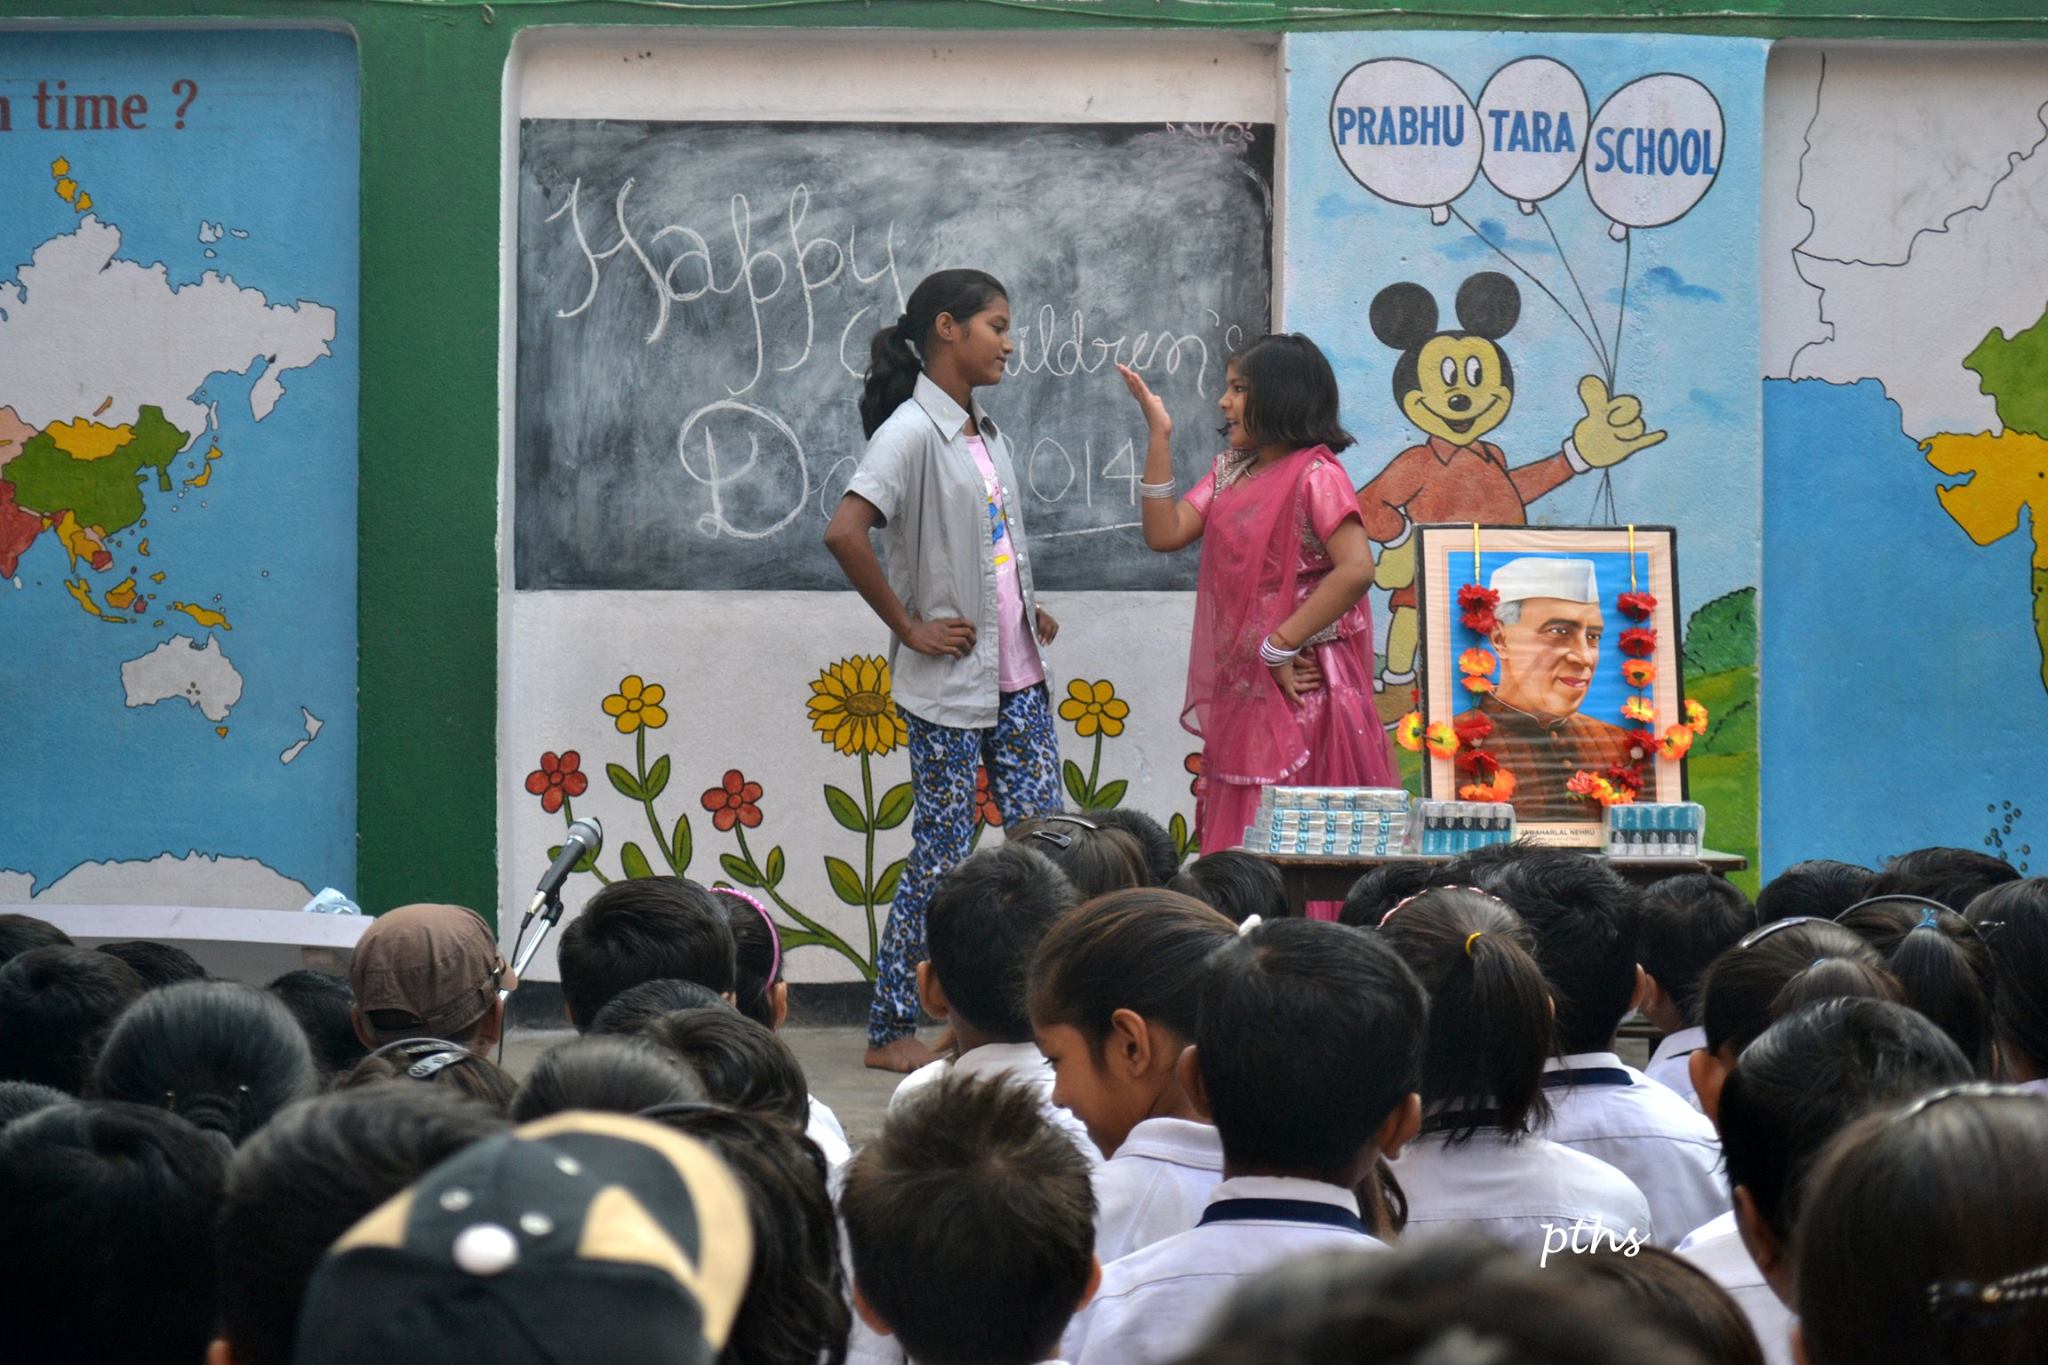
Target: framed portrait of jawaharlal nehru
1551	675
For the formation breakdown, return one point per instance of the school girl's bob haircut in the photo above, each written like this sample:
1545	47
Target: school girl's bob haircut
1293	399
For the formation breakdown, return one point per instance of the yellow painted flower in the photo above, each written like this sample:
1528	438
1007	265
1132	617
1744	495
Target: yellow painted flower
1094	706
851	708
1639	709
1408	734
1695	717
636	705
1441	738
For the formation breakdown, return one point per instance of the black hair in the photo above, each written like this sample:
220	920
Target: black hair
19	1099
1676	1296
19	933
1458	1299
737	1061
1291	396
1097	858
1835	978
1819	888
1683	923
1490	1028
437	1063
757	958
630	1010
1404	316
1162	855
971	1225
1738	991
1910	1217
224	1055
795	1309
895	354
1145	951
1381	889
1809	1076
1309	1035
1939	959
608	1074
984	922
2013	921
106	1248
158	964
56	1004
307	1178
1582	916
1237	883
322	1004
1952	876
640	929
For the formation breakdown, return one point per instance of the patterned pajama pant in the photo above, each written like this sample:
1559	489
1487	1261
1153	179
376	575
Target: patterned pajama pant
1022	755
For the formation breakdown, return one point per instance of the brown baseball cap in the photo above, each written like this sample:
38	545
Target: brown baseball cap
437	965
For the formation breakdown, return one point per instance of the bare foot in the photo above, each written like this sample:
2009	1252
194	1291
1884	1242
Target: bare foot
903	1055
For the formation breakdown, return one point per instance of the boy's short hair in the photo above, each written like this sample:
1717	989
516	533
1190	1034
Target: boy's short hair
1309	1035
1380	889
56	1005
1686	922
737	1061
158	964
643	929
1953	876
981	929
606	1074
107	1241
1236	883
322	1004
19	933
1583	918
633	1009
971	1222
1819	888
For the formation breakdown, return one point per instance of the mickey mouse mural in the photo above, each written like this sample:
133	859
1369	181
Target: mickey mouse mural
1457	386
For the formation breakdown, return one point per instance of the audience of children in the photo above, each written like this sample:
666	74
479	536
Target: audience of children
1160	1136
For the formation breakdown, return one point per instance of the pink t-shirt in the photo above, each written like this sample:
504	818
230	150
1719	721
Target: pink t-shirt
1017	663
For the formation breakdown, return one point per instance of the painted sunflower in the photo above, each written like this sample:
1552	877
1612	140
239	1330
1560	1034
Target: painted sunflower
851	708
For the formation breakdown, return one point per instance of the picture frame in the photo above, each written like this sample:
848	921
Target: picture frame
1550	708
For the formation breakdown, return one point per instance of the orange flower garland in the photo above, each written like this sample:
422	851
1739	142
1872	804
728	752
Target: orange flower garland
1408	733
1638	672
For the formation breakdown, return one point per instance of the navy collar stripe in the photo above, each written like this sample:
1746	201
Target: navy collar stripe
1587	1076
1283	1211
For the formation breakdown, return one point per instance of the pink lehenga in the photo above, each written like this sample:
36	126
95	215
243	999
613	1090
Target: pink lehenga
1263	553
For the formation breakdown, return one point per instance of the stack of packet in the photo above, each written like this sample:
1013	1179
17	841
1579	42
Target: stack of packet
1444	828
1675	829
1329	821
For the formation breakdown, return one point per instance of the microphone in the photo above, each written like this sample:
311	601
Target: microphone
584	839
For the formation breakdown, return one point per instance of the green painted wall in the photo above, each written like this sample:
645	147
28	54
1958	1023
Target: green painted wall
432	75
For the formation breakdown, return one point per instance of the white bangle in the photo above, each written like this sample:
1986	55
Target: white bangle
1273	656
1156	490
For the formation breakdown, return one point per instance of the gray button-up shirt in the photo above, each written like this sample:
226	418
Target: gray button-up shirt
937	551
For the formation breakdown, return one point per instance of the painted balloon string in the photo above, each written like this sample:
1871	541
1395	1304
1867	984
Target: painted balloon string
1599	352
1606	361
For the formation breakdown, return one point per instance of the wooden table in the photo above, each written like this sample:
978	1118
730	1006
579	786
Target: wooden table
1310	877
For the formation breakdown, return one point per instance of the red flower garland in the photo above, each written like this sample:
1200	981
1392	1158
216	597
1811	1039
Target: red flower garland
1476	605
1639	642
1637	606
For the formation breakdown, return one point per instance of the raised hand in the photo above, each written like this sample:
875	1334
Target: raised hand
1157	419
1613	427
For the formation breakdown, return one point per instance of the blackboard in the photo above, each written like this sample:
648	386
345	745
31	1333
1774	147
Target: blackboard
695	302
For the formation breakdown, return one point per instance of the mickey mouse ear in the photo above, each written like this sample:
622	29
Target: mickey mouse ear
1403	315
1489	305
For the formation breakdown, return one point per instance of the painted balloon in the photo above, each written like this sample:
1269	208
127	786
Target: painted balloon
1654	152
1406	132
1533	126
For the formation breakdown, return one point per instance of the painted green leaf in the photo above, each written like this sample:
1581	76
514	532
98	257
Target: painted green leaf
628	785
681	847
776	866
1108	794
895	807
1183	839
1077	785
634	861
587	863
885	889
737	869
845	809
657	778
845	881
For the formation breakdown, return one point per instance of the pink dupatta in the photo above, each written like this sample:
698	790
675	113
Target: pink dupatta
1251	565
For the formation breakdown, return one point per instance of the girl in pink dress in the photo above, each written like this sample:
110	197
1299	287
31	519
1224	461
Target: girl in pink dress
1281	665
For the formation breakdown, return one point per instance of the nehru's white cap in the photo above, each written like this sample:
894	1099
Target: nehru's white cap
1569	580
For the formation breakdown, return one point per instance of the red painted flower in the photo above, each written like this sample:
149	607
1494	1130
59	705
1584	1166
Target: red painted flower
1639	642
1193	763
1637	606
732	802
557	779
985	809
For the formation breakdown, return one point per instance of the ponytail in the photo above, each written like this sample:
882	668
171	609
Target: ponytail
2013	922
222	1055
1940	960
895	354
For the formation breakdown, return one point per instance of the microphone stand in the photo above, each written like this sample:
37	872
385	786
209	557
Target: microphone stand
548	906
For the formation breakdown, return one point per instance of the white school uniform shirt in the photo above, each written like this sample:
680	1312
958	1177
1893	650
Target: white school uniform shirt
1717	1249
1670	1065
1156	1302
1616	1113
1155	1185
1516	1192
828	1133
1020	1062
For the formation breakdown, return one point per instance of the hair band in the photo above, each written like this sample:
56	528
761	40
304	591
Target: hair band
1756	936
774	935
1973	1090
1073	820
1454	886
1250	923
1473	938
1927	920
